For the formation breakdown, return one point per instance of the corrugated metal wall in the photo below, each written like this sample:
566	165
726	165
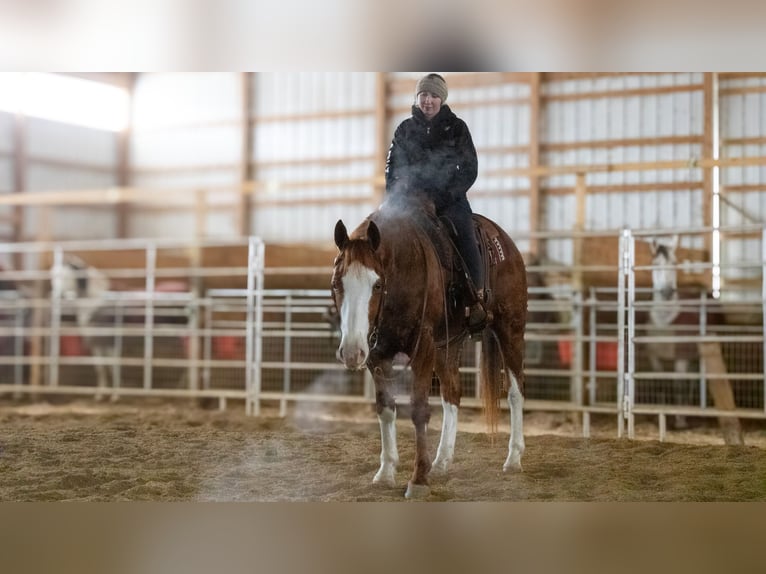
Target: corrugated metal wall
315	156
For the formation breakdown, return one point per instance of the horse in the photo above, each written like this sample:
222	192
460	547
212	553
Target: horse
395	287
669	316
77	282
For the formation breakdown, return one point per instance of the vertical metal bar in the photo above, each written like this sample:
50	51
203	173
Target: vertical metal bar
763	311
118	341
250	326
258	351
622	262
151	263
477	374
577	360
592	347
207	343
54	350
193	348
703	331
287	355
630	379
254	351
18	348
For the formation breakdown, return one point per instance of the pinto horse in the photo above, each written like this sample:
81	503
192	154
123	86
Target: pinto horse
392	291
670	315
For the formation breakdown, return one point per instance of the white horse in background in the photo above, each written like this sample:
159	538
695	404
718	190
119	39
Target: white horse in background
85	286
666	318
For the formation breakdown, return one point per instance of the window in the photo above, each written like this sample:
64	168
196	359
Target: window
65	99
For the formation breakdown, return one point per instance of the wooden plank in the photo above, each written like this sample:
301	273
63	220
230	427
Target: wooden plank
626	187
382	137
721	391
581	193
564	76
309	116
743	90
464	80
709	103
617	143
653	91
314	161
247	167
743	141
535	199
123	162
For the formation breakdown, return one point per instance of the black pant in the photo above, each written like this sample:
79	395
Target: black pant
459	213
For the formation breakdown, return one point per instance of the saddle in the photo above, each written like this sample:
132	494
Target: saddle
461	291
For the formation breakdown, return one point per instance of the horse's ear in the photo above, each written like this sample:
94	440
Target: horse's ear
653	245
373	235
674	242
341	235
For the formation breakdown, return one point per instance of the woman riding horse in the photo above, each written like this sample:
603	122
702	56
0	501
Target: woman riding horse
432	153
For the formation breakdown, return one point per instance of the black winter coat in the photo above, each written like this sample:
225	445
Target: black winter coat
434	157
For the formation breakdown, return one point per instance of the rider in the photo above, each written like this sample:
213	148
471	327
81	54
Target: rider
433	153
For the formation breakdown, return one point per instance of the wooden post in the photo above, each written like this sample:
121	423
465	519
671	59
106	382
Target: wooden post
720	389
382	137
123	162
247	163
534	161
707	154
581	192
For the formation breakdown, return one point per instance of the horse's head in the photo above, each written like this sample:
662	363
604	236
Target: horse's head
74	278
357	290
664	280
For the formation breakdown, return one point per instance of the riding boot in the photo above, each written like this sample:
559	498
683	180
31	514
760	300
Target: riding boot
476	313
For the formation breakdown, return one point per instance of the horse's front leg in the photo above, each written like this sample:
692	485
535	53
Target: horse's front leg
385	405
421	414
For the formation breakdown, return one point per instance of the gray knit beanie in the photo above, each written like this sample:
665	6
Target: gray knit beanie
433	83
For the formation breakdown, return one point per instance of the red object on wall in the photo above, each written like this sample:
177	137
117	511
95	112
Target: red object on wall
606	355
227	347
72	346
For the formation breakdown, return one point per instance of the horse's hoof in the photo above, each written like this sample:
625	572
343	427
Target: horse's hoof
384	479
512	466
439	468
417	491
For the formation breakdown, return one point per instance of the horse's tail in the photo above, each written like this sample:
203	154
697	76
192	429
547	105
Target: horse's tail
491	378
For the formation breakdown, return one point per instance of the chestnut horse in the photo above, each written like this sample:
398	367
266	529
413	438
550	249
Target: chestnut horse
396	296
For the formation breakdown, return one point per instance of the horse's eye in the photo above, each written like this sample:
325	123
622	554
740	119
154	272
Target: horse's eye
378	285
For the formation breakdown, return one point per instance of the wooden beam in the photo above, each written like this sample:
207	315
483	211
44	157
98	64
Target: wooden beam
247	165
564	76
707	154
629	93
19	179
741	91
629	187
720	389
306	116
382	137
535	201
123	163
743	141
464	80
617	143
581	192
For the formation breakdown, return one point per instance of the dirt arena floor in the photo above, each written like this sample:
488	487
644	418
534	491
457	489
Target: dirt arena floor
142	451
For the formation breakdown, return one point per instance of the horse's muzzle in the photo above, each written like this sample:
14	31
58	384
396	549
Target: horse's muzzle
353	358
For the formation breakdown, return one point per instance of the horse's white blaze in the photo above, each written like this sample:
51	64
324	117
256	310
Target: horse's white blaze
389	455
354	320
516	442
446	450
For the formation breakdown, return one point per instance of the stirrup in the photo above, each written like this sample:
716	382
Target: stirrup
477	317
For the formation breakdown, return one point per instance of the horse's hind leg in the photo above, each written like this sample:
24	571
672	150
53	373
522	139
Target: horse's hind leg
385	405
511	342
447	370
